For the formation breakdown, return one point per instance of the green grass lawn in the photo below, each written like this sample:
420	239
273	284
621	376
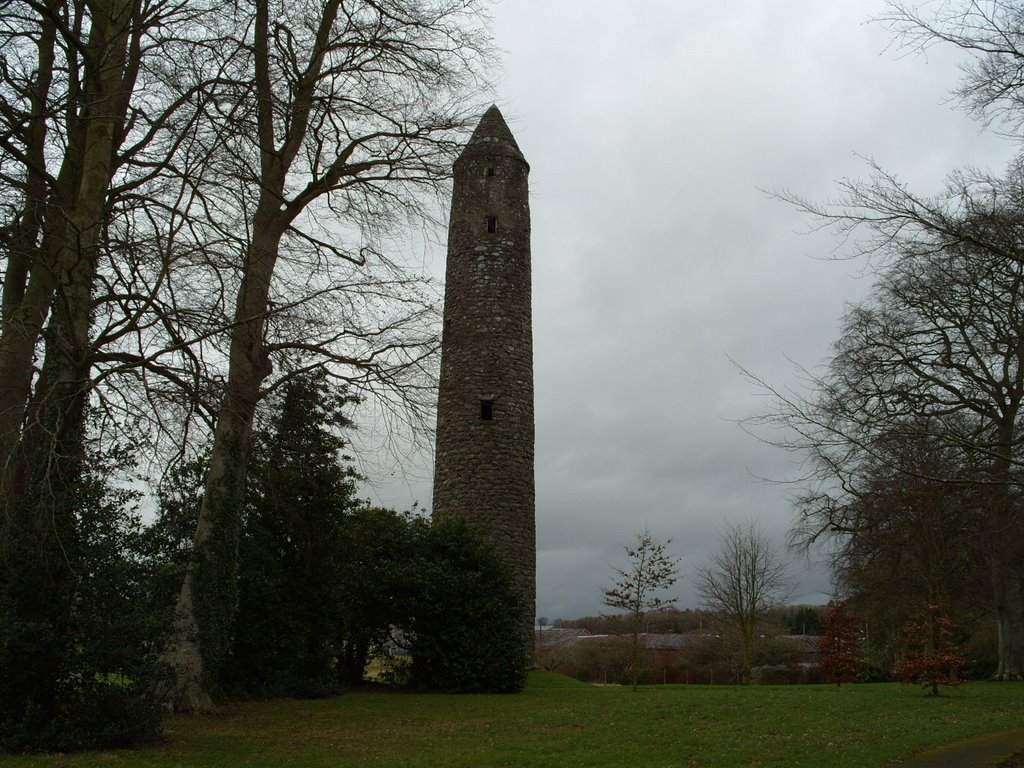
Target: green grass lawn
557	722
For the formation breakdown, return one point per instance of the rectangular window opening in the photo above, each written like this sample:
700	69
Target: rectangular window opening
486	410
492	223
491	168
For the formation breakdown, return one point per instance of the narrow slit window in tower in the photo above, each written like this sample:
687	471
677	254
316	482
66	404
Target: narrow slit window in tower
492	223
486	410
491	168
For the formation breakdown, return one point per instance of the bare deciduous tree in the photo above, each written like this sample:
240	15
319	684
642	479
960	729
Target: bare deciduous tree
934	357
355	110
158	157
991	31
83	127
746	578
97	102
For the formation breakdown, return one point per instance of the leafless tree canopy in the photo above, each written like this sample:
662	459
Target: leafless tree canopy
933	351
343	111
201	199
746	578
927	377
990	31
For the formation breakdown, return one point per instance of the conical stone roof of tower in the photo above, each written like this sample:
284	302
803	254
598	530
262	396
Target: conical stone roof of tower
492	137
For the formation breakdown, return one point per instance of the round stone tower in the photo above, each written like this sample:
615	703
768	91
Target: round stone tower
483	468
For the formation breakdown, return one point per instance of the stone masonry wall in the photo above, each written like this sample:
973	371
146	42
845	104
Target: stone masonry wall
484	466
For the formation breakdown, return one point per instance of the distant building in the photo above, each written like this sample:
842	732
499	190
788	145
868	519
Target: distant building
552	636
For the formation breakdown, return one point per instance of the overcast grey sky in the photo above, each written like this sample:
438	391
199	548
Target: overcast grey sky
651	128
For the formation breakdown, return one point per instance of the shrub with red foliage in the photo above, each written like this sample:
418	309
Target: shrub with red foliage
931	653
841	646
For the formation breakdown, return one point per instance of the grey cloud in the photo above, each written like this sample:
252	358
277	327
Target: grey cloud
651	129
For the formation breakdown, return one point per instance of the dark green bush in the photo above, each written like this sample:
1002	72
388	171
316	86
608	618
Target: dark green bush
98	716
467	622
73	618
325	580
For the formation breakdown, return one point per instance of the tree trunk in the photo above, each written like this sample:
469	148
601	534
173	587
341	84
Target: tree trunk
41	442
1005	558
209	594
208	599
42	433
634	653
23	312
62	270
1008	590
41	506
747	641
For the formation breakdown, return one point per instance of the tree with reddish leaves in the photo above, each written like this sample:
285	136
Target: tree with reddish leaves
931	653
841	645
652	569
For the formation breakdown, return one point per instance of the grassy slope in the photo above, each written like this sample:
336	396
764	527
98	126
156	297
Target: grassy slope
564	724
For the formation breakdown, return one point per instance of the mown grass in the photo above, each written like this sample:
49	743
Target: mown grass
562	723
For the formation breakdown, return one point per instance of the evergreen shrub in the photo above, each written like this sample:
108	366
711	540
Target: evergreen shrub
467	622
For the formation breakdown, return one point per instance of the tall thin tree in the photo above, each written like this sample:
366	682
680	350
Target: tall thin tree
637	589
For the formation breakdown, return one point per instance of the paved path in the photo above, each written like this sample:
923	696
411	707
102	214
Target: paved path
982	752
